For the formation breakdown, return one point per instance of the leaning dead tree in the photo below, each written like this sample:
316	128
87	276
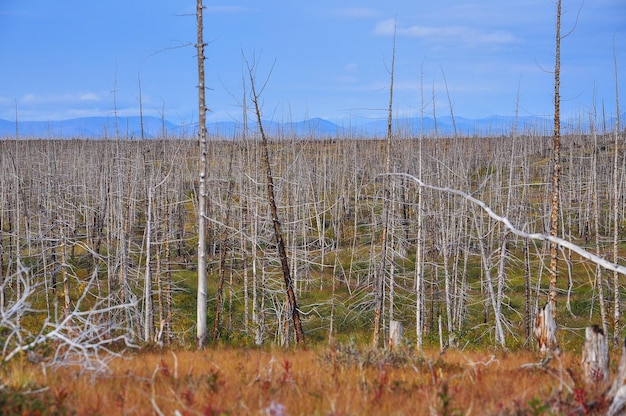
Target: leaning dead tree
280	243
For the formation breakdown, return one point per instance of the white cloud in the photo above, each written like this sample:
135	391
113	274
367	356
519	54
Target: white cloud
356	13
80	97
90	96
352	68
29	99
445	34
58	106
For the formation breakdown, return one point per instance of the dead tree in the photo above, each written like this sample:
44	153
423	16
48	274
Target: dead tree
616	208
201	308
556	168
223	253
280	243
617	393
395	334
379	283
545	329
81	338
595	359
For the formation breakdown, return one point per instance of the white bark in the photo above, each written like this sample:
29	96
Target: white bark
201	307
595	359
617	201
486	259
147	288
395	334
533	236
81	338
617	393
545	329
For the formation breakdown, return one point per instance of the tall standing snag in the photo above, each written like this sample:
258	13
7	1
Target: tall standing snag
201	307
379	284
556	173
616	204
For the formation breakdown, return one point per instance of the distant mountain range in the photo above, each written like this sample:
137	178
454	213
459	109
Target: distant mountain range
153	127
88	127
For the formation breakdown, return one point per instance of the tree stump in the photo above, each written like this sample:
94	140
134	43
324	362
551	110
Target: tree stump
595	360
545	330
395	333
617	393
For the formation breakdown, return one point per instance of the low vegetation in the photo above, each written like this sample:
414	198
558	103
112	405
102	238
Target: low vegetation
340	380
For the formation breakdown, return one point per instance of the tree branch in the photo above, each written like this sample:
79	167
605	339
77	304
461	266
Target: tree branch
533	236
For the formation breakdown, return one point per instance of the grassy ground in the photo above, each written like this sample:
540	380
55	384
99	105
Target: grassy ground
342	380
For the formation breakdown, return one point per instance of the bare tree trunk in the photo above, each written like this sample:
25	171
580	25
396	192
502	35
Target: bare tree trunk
147	295
258	286
395	334
556	173
595	359
486	259
617	393
223	252
64	276
379	298
545	329
158	272
282	252
616	204
201	308
596	225
245	208
246	277
332	301
445	228
419	249
167	323
527	290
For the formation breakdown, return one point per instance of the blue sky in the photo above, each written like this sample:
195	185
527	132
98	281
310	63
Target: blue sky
331	59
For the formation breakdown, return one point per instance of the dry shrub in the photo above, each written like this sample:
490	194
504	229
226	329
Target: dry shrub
342	380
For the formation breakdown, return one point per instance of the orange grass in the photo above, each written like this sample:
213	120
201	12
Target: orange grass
338	381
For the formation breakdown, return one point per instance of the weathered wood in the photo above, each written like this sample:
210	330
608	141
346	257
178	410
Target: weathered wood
617	393
595	359
545	329
395	333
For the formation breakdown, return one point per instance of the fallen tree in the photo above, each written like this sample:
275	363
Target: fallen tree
84	337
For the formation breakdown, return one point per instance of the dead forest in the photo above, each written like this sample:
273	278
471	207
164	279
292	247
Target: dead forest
103	234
